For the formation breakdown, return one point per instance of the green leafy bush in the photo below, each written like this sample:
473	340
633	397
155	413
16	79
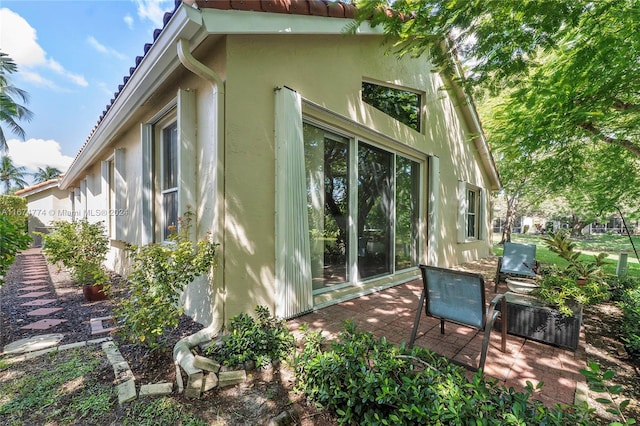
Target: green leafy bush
563	291
159	273
12	240
364	380
598	381
81	247
260	340
630	305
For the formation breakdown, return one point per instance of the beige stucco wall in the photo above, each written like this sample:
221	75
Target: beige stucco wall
328	71
45	207
325	70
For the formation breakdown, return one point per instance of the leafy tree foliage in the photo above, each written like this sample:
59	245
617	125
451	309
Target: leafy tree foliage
11	175
558	80
11	111
46	173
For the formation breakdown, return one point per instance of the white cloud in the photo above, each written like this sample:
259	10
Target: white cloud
128	19
101	48
154	10
34	153
19	40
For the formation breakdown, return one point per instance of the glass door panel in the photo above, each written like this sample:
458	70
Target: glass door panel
375	208
327	170
407	211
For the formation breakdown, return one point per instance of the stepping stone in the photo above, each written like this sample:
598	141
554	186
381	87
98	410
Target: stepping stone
34	294
43	311
32	282
97	326
43	324
32	288
31	344
39	302
35	277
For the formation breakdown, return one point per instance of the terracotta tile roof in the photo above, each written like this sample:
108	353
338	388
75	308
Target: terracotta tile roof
37	186
328	8
295	7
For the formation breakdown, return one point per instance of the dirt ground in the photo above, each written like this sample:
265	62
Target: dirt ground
268	394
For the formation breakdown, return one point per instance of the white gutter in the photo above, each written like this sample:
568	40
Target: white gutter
182	350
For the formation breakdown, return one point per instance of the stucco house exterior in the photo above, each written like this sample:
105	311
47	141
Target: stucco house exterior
46	203
324	167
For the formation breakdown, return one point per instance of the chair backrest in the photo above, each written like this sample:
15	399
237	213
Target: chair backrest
454	295
518	259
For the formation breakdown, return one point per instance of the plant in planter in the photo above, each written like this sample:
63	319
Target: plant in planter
159	273
81	247
582	270
561	290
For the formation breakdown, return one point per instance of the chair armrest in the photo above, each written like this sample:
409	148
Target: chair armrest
495	301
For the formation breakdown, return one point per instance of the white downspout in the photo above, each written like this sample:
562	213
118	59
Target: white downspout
182	350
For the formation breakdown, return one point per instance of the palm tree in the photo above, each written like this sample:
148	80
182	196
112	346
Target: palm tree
11	174
10	110
48	173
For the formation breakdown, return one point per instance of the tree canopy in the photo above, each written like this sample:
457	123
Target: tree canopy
557	81
46	173
11	110
11	176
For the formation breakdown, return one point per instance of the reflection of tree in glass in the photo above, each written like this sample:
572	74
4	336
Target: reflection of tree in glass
336	186
407	175
402	105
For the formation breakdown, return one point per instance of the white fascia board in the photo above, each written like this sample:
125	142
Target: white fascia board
37	189
218	21
156	65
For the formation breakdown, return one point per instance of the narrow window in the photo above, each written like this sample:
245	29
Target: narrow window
403	105
169	179
473	200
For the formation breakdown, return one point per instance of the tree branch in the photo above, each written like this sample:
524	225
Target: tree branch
623	143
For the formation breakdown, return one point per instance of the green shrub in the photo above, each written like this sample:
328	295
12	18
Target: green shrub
14	208
619	285
81	247
630	305
261	340
159	273
562	290
369	381
12	240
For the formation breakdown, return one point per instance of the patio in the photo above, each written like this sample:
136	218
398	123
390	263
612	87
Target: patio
391	312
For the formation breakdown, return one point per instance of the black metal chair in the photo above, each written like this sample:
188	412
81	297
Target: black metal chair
459	297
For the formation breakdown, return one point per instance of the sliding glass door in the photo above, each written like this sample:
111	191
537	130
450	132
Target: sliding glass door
363	209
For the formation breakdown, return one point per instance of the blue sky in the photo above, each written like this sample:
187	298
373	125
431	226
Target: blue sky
71	57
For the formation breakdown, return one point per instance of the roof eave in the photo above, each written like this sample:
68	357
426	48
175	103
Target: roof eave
158	62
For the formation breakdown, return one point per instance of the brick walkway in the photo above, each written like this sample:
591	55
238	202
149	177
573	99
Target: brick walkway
43	319
390	313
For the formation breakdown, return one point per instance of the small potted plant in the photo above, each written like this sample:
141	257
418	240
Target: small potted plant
81	247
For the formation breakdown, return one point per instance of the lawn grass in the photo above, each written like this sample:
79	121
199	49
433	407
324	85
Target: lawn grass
74	387
611	244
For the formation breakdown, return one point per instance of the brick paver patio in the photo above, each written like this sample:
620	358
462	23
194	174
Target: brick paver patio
391	313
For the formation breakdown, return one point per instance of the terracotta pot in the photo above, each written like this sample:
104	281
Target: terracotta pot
581	281
93	293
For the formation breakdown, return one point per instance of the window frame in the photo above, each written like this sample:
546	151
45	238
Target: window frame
421	101
168	122
356	137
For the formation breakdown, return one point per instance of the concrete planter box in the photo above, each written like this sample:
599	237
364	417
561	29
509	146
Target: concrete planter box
530	318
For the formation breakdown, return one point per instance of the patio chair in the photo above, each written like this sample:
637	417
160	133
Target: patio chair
517	260
459	297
